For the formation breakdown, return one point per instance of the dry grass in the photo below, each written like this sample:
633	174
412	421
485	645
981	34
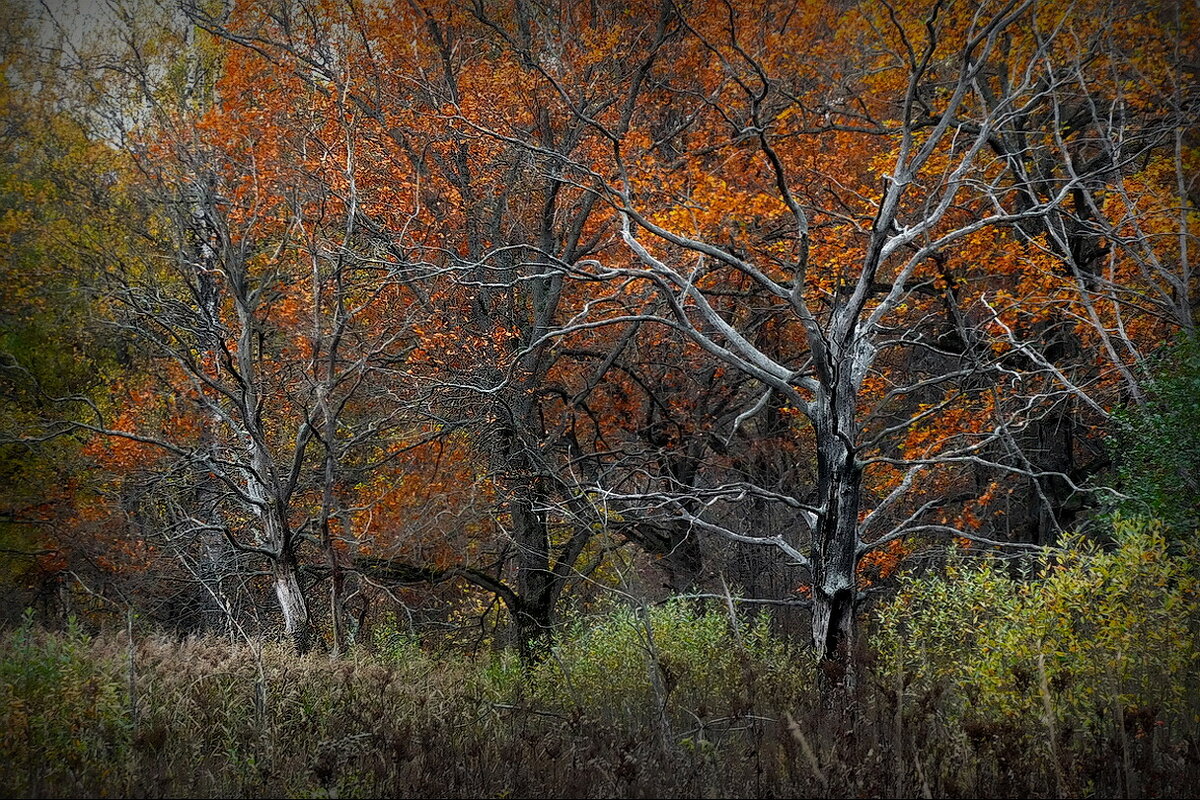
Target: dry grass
204	718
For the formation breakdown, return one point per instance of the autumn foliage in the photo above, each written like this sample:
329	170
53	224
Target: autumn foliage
477	312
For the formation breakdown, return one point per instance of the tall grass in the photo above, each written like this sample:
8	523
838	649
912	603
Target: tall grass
1080	681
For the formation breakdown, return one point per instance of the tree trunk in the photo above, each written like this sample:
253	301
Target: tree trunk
682	559
835	544
533	616
297	624
532	623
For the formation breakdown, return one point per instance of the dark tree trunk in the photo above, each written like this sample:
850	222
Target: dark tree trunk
835	542
682	559
533	628
533	615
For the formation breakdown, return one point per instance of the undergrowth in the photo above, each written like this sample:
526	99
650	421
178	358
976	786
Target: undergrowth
1074	677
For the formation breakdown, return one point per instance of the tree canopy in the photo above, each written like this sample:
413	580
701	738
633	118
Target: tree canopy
316	310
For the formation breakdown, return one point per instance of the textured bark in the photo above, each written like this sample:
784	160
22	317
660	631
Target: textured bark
835	542
297	624
533	615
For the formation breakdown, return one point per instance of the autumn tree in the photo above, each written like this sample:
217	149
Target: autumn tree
467	295
266	334
868	172
500	232
62	196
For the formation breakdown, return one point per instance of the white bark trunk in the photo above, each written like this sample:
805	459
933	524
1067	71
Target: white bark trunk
290	595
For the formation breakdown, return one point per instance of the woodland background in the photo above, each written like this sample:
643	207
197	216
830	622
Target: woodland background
666	398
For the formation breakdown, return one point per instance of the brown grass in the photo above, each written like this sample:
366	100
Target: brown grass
204	718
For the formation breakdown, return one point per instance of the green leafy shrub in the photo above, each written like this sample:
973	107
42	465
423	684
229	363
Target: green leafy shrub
1157	446
396	644
63	716
1089	640
636	663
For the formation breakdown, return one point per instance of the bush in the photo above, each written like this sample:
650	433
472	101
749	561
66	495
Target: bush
63	714
637	664
216	719
976	683
1157	446
1088	646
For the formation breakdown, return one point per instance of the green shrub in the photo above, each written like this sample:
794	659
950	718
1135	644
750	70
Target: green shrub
63	714
1156	446
396	644
1087	640
635	663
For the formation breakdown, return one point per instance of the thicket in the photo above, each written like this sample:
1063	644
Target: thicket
1157	445
1072	675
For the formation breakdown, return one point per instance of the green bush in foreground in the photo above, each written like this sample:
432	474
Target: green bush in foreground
693	665
1091	647
65	715
1156	446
